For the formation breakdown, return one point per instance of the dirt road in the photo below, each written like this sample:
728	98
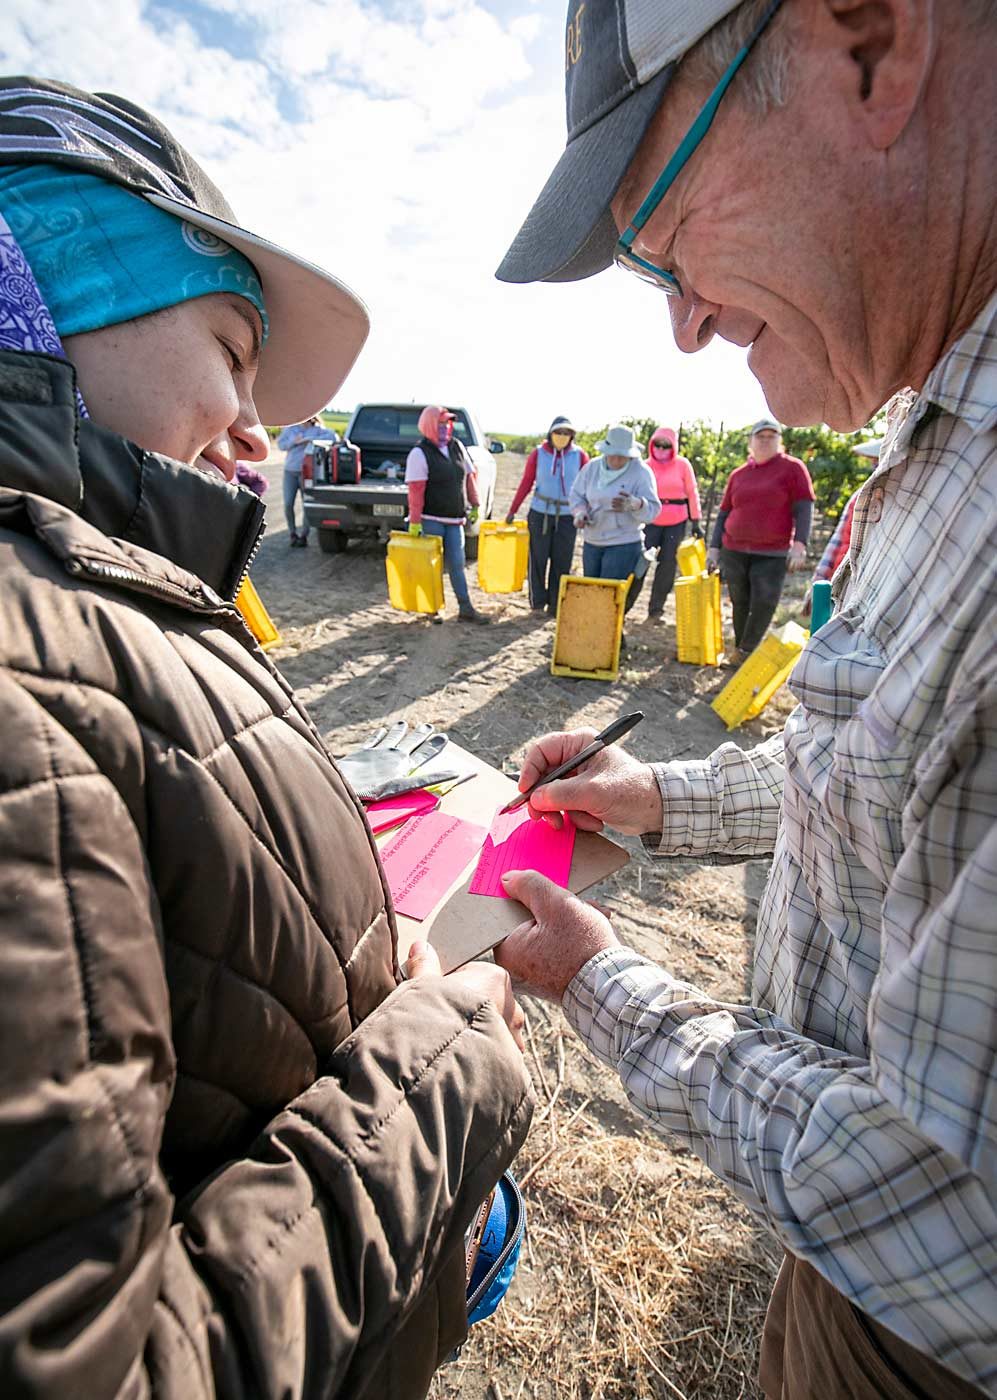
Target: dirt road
356	663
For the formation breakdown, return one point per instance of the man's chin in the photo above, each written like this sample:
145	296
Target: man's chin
796	398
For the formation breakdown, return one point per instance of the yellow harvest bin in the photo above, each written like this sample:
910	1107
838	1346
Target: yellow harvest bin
503	552
755	682
691	557
257	619
414	566
698	623
589	628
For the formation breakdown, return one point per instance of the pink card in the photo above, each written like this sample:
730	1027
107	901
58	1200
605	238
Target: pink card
517	843
392	811
425	859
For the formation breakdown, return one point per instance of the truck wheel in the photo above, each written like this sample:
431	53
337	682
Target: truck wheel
333	541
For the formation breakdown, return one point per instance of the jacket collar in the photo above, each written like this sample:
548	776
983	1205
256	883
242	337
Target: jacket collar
148	514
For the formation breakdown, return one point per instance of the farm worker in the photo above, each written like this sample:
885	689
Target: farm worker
612	499
837	546
442	497
550	472
238	1158
852	1104
294	441
675	482
762	528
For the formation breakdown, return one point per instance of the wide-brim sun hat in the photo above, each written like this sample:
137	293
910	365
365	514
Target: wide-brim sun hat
620	57
619	442
317	324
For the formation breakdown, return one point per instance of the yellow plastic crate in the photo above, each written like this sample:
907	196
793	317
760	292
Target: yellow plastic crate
691	557
755	682
698	622
589	627
414	566
257	619
503	553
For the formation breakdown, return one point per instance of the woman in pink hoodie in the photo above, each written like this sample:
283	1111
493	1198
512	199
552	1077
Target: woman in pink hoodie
679	497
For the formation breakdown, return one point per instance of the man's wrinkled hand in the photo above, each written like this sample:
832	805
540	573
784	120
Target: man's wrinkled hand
612	789
545	953
483	979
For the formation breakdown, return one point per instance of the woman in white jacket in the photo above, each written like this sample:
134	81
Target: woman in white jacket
612	499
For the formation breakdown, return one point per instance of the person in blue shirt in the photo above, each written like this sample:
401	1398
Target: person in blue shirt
550	472
294	441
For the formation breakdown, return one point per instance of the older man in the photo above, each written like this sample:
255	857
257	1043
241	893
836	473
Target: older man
853	1106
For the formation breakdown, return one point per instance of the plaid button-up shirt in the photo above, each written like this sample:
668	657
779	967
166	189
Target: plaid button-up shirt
853	1107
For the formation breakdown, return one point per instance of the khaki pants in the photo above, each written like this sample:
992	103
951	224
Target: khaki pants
817	1346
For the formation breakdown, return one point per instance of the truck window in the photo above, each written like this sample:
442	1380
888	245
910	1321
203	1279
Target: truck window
384	423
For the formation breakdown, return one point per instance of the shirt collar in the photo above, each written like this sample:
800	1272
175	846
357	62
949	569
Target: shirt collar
962	383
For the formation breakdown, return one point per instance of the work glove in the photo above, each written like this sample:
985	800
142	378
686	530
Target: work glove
510	518
626	503
472	515
415	527
712	560
697	530
581	519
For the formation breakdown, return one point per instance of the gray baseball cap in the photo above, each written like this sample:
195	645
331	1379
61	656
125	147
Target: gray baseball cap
619	59
766	425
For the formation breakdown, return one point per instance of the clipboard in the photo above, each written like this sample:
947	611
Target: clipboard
462	925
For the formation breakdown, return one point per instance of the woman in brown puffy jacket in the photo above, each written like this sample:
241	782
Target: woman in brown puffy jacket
237	1158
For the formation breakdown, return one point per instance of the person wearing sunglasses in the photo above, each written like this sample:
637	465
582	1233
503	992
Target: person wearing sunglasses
851	1103
550	471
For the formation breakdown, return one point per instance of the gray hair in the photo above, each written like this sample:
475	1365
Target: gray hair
765	80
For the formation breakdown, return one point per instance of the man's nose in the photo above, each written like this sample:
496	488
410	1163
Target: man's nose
694	321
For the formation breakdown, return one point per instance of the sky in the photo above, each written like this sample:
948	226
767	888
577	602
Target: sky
400	146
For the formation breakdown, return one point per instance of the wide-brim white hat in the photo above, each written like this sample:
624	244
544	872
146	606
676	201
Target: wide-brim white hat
317	324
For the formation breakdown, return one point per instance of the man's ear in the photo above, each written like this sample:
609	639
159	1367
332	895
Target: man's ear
887	45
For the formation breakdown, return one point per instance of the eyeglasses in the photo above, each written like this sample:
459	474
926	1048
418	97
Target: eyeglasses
624	256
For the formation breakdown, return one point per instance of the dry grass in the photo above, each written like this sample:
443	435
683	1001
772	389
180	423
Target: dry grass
641	1276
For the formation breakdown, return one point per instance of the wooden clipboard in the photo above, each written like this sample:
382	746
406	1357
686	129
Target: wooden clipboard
462	926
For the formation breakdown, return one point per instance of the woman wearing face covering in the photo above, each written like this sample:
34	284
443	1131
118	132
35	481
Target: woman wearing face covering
550	472
442	485
679	496
613	498
238	1158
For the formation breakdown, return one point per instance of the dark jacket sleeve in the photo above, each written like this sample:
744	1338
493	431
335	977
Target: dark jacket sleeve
288	1272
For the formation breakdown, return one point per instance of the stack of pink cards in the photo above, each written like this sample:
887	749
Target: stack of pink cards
517	843
426	858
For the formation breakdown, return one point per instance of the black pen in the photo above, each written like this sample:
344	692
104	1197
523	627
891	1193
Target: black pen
609	735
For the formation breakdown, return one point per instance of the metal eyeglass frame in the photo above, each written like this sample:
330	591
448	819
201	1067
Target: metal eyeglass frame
623	255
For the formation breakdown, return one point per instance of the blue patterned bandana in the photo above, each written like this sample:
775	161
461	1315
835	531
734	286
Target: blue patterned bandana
102	255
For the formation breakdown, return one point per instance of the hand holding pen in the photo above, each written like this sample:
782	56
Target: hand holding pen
611	789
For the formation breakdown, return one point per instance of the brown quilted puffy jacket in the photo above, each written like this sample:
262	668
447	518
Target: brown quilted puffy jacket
235	1160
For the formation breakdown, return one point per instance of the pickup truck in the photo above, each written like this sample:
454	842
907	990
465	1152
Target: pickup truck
378	503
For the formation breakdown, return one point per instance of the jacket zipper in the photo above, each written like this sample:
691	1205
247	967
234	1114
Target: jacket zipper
113	573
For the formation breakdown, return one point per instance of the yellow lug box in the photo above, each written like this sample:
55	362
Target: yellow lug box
589	628
698	622
503	553
414	566
256	617
755	682
691	557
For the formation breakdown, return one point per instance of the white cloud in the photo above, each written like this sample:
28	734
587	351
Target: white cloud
420	138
